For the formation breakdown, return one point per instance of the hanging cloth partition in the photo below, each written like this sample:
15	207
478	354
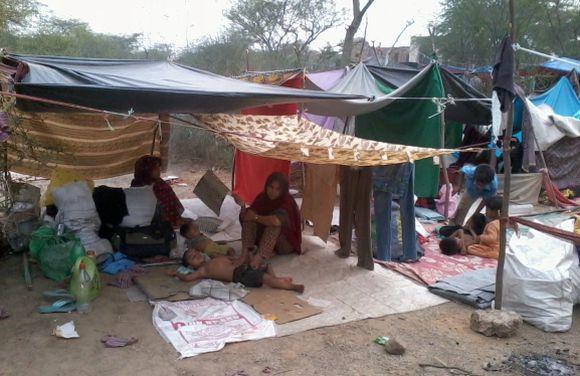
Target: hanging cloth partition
250	171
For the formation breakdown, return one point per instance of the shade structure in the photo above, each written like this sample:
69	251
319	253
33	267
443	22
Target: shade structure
142	86
297	139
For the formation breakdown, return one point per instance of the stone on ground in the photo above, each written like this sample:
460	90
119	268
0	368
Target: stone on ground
496	323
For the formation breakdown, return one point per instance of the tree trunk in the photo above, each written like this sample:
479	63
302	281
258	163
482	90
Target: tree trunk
357	16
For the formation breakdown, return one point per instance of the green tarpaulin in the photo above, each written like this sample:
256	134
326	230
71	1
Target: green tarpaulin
407	122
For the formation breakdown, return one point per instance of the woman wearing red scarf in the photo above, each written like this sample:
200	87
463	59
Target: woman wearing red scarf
272	222
148	172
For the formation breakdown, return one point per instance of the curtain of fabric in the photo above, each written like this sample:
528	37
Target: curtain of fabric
250	171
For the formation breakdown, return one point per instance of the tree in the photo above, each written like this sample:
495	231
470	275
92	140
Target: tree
16	13
463	37
274	25
357	16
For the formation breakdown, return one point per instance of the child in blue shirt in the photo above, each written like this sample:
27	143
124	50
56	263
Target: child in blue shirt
477	182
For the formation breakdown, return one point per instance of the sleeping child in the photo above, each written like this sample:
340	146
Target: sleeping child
485	243
197	241
227	270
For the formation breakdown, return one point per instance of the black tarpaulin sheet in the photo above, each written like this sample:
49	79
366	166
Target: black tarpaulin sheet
143	86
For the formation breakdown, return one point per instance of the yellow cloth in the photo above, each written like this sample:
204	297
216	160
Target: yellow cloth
488	246
577	224
214	249
61	177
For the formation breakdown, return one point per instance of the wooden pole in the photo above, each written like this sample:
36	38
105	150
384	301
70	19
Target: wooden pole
443	165
506	186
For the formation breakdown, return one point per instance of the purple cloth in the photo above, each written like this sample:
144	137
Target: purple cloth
326	80
323	81
112	341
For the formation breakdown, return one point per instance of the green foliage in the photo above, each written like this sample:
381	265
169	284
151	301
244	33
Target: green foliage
16	13
71	38
277	25
468	32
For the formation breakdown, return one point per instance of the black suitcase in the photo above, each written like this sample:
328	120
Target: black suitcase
156	239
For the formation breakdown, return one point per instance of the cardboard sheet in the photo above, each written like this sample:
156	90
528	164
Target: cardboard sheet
284	306
211	191
157	285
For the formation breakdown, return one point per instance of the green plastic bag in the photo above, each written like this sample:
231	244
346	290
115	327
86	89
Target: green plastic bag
56	260
46	236
93	271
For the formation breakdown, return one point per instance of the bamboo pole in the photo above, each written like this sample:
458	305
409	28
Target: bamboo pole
506	186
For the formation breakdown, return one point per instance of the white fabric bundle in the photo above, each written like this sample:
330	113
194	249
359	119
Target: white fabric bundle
77	211
141	204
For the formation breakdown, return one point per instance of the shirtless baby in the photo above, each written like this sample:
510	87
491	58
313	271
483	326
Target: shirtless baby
226	270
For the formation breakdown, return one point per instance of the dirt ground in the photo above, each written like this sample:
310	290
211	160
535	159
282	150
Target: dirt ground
437	335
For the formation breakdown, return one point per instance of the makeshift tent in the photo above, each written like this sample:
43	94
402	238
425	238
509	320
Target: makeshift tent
561	98
141	86
100	144
549	119
561	66
394	118
392	77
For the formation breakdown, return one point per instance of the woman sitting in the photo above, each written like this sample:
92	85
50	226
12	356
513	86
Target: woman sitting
272	222
148	172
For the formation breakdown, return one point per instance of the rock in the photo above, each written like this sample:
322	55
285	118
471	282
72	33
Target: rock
495	323
393	347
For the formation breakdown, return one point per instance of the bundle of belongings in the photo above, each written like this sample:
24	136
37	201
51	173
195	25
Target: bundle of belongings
107	219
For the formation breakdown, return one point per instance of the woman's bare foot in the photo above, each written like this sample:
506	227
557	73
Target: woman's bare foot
298	288
286	279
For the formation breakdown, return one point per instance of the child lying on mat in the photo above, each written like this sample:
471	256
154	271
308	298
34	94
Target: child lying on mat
196	241
226	270
479	237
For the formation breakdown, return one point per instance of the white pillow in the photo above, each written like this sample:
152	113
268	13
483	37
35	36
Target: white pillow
141	204
75	204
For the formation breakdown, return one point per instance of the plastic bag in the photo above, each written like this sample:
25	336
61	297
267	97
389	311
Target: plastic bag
93	271
57	259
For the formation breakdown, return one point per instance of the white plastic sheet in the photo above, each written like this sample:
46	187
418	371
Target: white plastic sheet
200	326
537	278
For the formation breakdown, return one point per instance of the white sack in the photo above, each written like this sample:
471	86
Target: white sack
76	206
537	278
195	327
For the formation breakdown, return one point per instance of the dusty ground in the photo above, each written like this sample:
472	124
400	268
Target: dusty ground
436	335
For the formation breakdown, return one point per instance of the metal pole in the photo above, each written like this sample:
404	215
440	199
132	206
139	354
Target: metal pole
506	187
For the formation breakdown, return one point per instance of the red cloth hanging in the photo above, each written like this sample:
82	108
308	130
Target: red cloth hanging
251	171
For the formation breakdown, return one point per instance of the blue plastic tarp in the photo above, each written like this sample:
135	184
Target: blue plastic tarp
562	66
561	98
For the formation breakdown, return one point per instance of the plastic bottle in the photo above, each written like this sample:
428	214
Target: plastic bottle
92	256
83	291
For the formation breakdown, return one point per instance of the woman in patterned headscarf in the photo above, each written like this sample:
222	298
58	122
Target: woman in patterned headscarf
148	172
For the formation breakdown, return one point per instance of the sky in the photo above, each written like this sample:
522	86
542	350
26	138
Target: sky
183	22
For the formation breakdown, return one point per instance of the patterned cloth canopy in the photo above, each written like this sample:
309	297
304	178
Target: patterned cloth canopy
297	139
